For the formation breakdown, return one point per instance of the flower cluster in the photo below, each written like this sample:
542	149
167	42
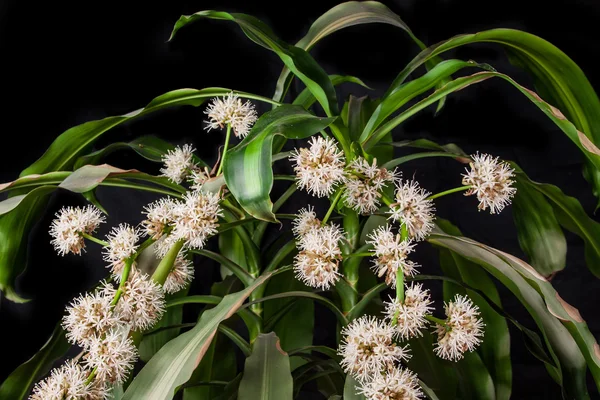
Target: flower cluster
364	183
178	163
413	209
409	315
230	110
490	180
391	253
69	226
121	245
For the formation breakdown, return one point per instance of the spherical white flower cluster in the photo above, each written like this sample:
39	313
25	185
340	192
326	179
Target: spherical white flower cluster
305	221
69	225
158	216
413	209
490	180
230	110
320	167
462	331
180	276
395	384
122	244
178	163
364	183
70	382
410	314
112	355
88	317
391	254
195	218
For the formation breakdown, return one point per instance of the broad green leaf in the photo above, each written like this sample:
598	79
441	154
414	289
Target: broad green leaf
231	247
475	379
20	381
267	374
307	99
294	58
538	230
247	169
175	362
557	78
339	17
295	328
51	178
566	337
350	389
571	216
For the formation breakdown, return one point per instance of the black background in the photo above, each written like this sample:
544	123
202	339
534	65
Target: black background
64	64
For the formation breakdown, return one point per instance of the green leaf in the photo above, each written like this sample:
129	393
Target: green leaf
267	374
567	337
295	328
476	382
248	171
20	381
339	17
350	389
175	362
294	58
232	248
538	230
557	78
307	99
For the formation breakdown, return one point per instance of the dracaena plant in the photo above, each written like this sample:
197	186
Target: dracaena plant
355	257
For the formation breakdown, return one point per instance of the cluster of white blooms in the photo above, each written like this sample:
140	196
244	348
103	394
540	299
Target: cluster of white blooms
391	254
490	180
305	221
198	178
122	244
230	110
70	381
180	276
395	384
462	331
159	215
195	218
410	314
320	167
364	183
69	225
178	163
413	209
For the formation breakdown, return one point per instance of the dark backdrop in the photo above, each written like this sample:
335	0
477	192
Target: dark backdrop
63	65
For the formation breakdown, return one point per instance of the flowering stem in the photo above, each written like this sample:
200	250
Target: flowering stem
449	191
362	254
400	276
333	204
124	276
94	239
166	264
435	320
91	376
227	135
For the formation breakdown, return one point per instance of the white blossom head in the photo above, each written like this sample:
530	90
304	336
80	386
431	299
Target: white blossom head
410	314
413	209
87	317
122	244
180	276
490	180
178	163
112	355
320	167
142	301
395	384
364	183
196	218
230	110
305	221
391	254
69	381
163	245
367	348
318	260
159	215
198	178
463	330
67	228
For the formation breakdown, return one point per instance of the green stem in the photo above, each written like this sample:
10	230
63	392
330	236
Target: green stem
91	376
166	264
94	239
436	320
363	254
238	271
332	207
449	191
400	276
236	339
124	276
227	135
131	185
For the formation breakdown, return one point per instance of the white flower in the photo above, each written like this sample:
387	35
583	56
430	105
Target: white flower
69	382
391	254
410	314
320	167
363	185
196	218
178	163
122	244
88	316
463	329
394	384
305	221
142	301
112	355
159	215
163	245
69	224
368	348
491	181
198	178
229	110
180	276
317	262
413	209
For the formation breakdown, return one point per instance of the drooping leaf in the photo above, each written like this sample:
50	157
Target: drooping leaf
538	230
175	362
294	58
267	374
247	169
307	99
231	247
20	381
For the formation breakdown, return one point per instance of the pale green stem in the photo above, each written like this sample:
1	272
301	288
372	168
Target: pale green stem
400	276
332	207
227	135
449	191
124	276
438	321
94	239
